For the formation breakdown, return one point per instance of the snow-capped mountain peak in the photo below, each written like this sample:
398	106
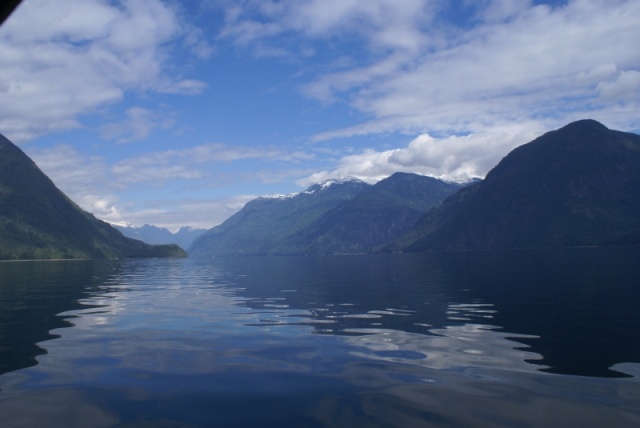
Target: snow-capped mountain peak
323	185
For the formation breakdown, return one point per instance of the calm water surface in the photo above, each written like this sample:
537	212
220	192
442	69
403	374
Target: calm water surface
528	338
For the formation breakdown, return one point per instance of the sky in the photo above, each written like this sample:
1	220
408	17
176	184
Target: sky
177	112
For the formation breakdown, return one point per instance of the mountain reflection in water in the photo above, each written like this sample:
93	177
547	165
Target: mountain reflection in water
453	339
576	308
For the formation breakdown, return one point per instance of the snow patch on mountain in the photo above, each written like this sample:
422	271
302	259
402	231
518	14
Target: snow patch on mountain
464	180
324	185
280	196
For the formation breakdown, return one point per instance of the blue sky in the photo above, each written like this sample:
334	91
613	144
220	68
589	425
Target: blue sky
176	113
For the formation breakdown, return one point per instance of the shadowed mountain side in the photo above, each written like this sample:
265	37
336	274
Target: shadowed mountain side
576	186
37	221
376	216
334	217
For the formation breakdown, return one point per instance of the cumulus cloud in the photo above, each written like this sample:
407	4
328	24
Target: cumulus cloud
61	60
450	158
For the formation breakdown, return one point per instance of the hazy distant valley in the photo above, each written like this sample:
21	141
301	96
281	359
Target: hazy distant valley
155	235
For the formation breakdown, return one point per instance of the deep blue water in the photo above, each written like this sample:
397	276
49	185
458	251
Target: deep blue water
507	339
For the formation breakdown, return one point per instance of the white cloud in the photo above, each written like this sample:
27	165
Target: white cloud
474	88
103	207
382	24
77	175
197	162
455	157
600	72
202	214
139	123
502	10
60	60
86	180
385	24
510	71
625	87
95	184
416	70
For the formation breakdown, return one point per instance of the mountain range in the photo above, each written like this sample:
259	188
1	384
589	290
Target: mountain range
333	217
37	221
377	215
183	237
576	186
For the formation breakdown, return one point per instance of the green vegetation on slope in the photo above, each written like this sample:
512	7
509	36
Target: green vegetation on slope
37	221
265	223
328	218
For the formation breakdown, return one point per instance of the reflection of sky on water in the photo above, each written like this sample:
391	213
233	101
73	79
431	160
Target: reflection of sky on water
449	347
160	335
454	348
177	317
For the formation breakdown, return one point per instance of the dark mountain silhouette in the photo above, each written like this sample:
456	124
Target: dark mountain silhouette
576	186
377	215
37	221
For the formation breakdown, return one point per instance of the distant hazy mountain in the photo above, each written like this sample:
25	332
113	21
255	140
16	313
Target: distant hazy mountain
150	234
576	186
37	221
265	223
375	216
334	217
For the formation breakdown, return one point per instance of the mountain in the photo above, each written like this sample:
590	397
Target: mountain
150	234
334	217
37	221
265	223
576	186
375	216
